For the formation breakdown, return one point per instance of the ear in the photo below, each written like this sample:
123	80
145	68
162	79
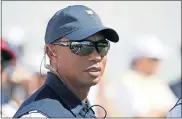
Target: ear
50	52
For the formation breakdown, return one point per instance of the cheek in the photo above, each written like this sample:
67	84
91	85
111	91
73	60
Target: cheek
77	63
70	62
103	62
65	61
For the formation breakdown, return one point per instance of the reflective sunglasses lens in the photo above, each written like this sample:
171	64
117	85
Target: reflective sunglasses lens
86	48
103	48
82	48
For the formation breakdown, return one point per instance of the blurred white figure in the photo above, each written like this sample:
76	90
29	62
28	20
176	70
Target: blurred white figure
92	96
140	93
96	96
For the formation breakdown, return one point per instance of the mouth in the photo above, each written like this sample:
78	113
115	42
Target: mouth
93	71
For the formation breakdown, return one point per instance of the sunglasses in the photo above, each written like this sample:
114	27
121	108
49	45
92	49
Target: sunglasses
84	48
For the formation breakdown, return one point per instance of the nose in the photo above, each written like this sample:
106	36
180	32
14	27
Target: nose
95	56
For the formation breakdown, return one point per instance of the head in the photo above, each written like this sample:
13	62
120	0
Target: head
84	66
78	51
147	54
147	66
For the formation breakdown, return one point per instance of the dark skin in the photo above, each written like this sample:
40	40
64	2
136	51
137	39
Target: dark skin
73	68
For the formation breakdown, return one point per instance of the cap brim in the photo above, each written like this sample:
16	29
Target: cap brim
81	34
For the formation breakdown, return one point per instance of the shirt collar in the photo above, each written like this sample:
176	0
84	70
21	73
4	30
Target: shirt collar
70	100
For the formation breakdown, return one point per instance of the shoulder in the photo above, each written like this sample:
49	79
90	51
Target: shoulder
45	101
33	113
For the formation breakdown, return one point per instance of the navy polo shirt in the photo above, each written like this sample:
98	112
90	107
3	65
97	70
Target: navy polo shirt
54	99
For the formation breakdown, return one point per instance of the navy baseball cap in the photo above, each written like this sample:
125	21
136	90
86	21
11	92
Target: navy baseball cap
77	23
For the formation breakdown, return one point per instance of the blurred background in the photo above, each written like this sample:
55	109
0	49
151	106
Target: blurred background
23	29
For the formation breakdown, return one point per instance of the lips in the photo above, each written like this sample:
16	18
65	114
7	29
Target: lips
94	71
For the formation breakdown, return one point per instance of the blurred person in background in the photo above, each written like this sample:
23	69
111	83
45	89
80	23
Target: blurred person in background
14	79
140	93
103	97
93	96
38	73
176	86
36	80
97	96
8	63
176	111
18	95
24	84
77	44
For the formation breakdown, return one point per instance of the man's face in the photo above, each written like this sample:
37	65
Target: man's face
80	70
149	65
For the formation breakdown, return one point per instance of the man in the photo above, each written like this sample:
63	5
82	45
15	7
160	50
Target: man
77	45
140	92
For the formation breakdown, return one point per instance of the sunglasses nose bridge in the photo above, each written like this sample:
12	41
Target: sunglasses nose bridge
96	47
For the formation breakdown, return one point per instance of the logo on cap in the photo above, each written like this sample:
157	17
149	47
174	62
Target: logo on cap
89	12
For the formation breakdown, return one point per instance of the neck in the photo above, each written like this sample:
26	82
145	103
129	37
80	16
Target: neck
79	90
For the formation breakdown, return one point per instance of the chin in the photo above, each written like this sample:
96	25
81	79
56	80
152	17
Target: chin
92	81
96	80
